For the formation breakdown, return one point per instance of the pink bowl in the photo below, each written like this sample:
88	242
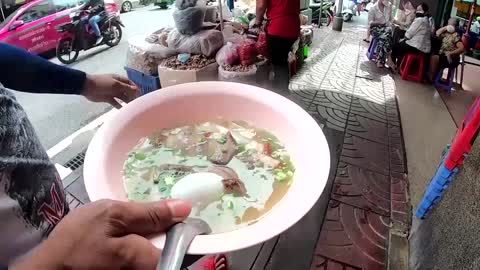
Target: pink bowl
203	101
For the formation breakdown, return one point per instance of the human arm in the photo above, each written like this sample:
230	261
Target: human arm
413	29
106	235
22	71
25	72
459	50
440	31
261	7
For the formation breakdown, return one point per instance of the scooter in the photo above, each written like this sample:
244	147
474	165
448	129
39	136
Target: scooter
349	11
78	34
325	10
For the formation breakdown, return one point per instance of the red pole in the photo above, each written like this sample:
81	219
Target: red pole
472	11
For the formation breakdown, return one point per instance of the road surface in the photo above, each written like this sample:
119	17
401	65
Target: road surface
57	116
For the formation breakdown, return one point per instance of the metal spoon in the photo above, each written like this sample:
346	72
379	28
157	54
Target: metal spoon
178	240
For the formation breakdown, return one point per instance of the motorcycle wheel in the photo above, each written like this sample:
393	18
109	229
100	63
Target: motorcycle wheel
115	35
65	52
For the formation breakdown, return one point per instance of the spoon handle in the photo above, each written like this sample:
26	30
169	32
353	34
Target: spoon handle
178	240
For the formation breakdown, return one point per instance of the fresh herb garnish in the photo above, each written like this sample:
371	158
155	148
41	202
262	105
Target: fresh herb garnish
140	156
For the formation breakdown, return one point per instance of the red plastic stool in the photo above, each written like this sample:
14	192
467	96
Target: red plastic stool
409	64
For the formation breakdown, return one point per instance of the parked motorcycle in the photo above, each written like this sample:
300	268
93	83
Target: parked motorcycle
349	11
78	34
322	10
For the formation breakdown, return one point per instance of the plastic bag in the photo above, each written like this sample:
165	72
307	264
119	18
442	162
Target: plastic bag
206	42
227	55
183	4
262	45
226	13
189	21
144	56
248	77
210	14
159	36
247	52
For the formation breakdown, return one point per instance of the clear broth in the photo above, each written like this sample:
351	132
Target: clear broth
257	158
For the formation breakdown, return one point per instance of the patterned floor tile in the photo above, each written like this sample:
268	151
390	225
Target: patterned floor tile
366	154
369	90
306	81
367	69
362	188
367	128
322	263
369	109
331	118
338	85
306	96
334	100
354	237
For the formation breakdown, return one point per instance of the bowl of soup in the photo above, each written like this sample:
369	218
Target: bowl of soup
251	162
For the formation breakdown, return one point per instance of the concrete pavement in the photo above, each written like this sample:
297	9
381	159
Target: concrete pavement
57	116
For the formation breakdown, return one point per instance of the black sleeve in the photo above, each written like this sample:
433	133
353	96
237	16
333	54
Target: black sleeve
22	71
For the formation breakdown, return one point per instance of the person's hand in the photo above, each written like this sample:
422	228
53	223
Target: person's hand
255	29
105	88
107	235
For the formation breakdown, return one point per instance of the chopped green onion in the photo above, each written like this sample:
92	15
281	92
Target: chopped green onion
140	156
281	176
222	139
169	180
230	205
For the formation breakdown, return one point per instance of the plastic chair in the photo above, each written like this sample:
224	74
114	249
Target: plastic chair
448	85
372	50
408	69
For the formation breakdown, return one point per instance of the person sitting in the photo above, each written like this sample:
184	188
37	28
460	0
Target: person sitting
417	38
379	20
450	49
96	7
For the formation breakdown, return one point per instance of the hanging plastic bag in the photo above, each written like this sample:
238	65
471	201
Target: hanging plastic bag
247	74
206	42
189	21
247	52
227	55
144	56
183	4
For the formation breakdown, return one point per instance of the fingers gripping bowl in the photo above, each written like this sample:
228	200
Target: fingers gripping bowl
194	103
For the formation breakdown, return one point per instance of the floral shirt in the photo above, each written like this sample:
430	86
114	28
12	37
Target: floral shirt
449	42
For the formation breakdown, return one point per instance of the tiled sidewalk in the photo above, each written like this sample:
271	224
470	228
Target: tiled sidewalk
354	100
366	197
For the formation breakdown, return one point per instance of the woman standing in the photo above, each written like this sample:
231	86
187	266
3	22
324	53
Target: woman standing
417	38
379	20
283	29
